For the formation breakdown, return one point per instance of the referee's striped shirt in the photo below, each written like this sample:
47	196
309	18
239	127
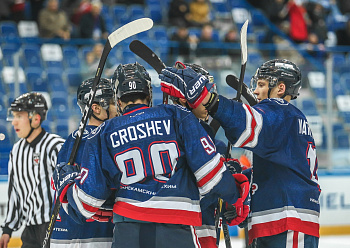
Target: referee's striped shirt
30	169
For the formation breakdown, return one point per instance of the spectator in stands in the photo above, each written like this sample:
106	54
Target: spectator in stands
232	37
199	12
297	18
178	14
92	24
75	9
186	42
35	7
53	22
276	11
17	10
205	48
5	11
92	59
317	15
343	35
314	46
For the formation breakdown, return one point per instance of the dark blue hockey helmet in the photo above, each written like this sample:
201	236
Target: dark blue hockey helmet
279	70
105	93
132	78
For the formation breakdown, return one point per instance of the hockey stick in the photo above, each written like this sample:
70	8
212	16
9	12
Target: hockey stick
247	94
144	52
215	124
237	98
244	55
113	39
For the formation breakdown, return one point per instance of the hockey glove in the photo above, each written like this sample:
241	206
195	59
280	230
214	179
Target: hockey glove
185	83
63	176
103	215
239	211
232	164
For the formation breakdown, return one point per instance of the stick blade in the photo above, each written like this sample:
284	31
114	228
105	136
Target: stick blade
244	30
248	95
130	29
144	52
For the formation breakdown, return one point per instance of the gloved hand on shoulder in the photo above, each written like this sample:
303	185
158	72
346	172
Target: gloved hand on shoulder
186	84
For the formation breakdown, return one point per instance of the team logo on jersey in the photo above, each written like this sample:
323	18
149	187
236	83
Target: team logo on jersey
36	158
254	188
85	134
95	131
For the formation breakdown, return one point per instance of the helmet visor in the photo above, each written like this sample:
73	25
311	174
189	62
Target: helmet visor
270	79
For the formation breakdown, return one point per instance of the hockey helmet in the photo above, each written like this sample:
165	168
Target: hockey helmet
105	92
132	78
279	70
33	103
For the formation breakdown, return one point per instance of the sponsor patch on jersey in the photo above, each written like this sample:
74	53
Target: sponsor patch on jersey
36	158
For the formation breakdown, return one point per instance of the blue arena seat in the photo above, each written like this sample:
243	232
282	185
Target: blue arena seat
155	13
258	18
309	107
31	55
8	51
47	125
159	33
22	88
60	106
62	128
74	77
70	57
120	14
3	110
35	79
136	11
8	29
55	81
255	58
342	139
345	81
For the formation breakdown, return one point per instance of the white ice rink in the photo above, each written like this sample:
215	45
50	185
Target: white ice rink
325	242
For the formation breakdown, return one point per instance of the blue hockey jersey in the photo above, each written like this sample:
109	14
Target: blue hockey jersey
285	189
67	232
159	159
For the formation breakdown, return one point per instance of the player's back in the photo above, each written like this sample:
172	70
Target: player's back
143	157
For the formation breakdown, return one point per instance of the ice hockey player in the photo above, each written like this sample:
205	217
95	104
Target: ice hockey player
285	191
74	230
161	161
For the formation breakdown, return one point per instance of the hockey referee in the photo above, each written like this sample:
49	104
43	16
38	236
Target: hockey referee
30	168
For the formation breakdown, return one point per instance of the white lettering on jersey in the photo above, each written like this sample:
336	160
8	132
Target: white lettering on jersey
140	131
304	128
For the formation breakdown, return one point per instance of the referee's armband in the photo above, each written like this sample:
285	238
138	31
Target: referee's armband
213	104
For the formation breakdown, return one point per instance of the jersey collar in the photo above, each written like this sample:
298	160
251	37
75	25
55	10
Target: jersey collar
131	108
38	138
